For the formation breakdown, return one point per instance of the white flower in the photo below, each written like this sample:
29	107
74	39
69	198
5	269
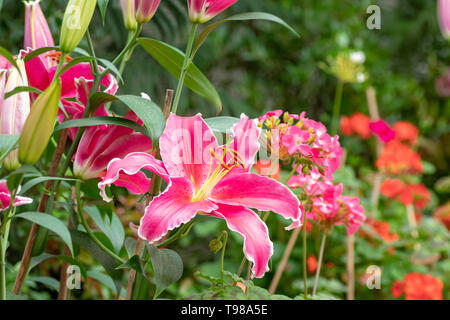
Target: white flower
358	57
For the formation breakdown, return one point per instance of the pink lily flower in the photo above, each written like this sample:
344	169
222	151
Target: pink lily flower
201	11
444	17
15	109
100	144
214	180
76	82
5	197
381	129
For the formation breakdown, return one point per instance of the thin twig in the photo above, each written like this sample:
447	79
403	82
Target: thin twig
319	265
350	267
284	260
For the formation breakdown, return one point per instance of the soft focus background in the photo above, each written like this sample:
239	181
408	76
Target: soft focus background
260	66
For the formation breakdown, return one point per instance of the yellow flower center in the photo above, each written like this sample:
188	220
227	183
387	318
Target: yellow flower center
221	170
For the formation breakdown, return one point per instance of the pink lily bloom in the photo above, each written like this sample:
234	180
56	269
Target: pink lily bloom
15	109
444	17
146	9
201	11
211	179
76	82
5	197
381	129
100	144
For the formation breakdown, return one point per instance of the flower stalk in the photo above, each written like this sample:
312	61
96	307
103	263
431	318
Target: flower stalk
319	265
187	61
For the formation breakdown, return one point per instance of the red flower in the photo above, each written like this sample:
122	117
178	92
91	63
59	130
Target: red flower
391	188
358	123
397	289
397	158
406	132
312	263
419	286
382	229
442	214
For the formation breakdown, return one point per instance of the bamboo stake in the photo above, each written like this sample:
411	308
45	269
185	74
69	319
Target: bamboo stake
351	267
41	208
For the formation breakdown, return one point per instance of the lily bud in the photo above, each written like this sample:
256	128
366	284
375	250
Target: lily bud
39	125
37	32
444	17
77	18
201	11
129	14
145	10
15	109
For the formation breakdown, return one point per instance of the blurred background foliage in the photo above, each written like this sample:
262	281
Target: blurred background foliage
259	66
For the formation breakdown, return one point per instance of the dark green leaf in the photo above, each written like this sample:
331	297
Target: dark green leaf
111	226
33	182
96	121
102	5
240	17
167	265
7	143
51	223
38	52
76	61
22	89
8	55
172	60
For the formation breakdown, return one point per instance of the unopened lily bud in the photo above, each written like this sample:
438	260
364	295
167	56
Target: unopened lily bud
77	17
15	109
215	245
37	32
145	10
201	11
39	125
129	14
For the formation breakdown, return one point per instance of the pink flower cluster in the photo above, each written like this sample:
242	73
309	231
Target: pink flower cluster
303	139
325	201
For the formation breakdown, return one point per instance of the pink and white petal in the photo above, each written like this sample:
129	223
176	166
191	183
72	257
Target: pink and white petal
259	192
136	184
246	140
20	201
218	6
131	165
257	245
185	148
171	209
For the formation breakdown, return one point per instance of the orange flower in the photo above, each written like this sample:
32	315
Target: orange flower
382	229
398	158
357	123
406	132
419	286
312	263
442	214
391	188
264	168
416	194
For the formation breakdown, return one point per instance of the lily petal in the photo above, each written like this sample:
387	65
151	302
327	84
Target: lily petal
132	165
257	245
185	148
254	191
245	142
171	209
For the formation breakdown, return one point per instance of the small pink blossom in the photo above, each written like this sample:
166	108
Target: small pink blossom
381	129
201	11
5	197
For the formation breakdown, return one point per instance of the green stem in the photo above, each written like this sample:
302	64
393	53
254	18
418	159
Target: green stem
92	52
4	235
186	63
305	252
181	232
82	220
337	107
225	235
319	265
293	171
